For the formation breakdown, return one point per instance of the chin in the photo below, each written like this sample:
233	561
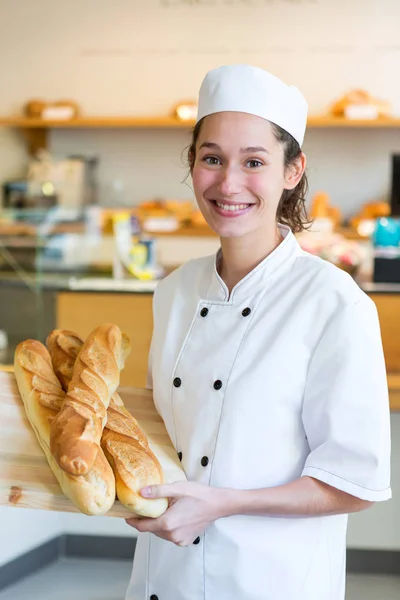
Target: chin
226	231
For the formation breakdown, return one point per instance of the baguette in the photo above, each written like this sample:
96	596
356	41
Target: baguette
64	347
77	429
42	396
124	443
134	464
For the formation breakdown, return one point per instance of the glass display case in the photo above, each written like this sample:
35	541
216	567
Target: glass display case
40	249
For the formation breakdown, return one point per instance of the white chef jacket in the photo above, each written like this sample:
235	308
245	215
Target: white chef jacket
283	378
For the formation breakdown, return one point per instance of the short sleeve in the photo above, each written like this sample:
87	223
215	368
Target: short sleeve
346	412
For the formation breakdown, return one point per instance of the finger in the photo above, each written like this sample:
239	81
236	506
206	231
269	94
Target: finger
145	525
171	490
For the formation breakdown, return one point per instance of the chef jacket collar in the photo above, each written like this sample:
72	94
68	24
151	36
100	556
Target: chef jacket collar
283	254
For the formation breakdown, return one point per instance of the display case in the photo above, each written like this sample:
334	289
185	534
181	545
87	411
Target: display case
37	250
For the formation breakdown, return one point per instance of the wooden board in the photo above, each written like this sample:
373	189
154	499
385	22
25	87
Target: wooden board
26	479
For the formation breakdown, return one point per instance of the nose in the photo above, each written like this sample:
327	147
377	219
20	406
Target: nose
229	183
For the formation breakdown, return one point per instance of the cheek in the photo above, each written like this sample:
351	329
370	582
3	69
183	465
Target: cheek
266	186
259	185
202	179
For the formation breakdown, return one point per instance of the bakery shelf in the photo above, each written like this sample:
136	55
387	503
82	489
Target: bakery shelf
35	130
341	122
95	122
163	122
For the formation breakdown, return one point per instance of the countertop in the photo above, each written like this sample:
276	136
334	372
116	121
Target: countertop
96	283
75	283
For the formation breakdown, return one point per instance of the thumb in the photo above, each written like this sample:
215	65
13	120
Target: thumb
171	490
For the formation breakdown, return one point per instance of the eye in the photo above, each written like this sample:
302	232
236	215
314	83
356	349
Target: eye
253	163
211	160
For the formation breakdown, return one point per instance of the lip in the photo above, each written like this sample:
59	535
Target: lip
230	213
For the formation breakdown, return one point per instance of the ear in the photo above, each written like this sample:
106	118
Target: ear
295	172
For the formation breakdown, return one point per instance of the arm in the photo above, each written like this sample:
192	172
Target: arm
193	506
303	497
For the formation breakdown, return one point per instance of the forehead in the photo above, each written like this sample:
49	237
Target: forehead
236	128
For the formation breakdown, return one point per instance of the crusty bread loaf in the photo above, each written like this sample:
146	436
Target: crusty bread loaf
123	442
134	464
64	347
42	395
77	429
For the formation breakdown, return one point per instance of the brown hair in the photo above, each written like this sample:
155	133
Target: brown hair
291	208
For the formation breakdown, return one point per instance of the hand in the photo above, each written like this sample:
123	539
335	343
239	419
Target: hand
192	508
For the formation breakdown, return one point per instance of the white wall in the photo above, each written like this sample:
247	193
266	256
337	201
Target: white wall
22	530
124	57
81	524
379	527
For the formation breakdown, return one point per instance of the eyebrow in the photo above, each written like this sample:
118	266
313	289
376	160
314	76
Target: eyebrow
215	146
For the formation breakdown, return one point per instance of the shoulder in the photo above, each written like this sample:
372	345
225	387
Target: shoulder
187	276
328	284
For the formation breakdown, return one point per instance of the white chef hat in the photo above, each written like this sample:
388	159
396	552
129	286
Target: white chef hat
242	88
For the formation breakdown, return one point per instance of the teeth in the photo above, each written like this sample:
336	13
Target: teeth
231	207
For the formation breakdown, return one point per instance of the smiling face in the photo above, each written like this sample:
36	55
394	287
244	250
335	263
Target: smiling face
239	175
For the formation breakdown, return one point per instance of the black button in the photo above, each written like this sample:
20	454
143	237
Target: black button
196	541
204	312
180	456
246	312
217	384
177	382
204	461
153	597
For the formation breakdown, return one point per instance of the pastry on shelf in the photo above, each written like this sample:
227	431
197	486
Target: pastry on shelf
153	208
198	220
180	210
34	108
156	217
186	111
58	110
364	221
360	104
321	208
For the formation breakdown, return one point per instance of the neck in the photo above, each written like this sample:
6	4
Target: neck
239	256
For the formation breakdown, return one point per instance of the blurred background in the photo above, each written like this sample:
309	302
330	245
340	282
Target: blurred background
96	108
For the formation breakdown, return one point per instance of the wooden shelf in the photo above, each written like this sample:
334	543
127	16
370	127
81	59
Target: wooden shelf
328	121
35	130
170	122
96	122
